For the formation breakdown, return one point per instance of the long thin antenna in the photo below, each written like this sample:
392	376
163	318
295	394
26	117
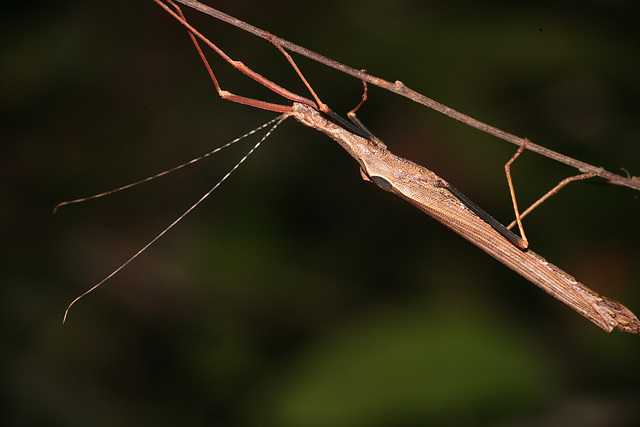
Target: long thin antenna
278	120
168	171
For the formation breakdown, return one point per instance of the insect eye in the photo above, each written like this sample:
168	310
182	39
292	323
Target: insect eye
382	183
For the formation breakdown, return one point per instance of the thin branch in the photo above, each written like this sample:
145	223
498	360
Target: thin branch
399	88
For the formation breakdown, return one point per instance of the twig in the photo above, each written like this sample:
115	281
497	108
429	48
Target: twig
399	88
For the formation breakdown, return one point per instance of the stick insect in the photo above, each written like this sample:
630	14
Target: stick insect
417	185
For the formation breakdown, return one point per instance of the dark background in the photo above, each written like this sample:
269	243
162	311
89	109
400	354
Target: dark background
298	294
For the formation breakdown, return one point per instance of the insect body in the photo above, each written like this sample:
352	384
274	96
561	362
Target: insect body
415	184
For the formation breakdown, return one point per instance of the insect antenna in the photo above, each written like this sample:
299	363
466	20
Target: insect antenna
277	121
168	171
